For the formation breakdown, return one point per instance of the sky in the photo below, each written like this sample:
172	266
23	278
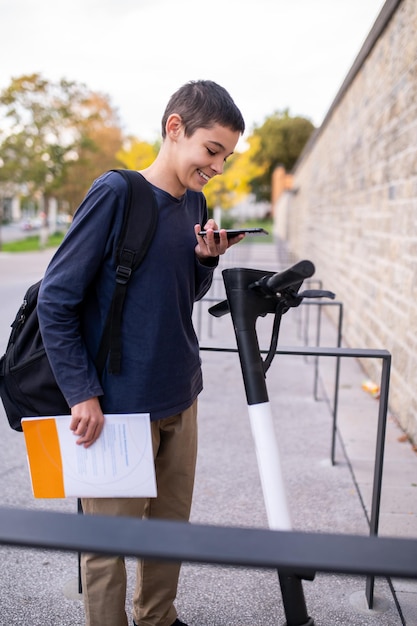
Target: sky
270	55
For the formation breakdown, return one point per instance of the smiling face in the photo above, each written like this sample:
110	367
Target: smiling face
202	155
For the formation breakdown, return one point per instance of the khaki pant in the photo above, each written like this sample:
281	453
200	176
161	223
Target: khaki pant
104	578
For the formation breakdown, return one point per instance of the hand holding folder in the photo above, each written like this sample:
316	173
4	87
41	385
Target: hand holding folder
119	464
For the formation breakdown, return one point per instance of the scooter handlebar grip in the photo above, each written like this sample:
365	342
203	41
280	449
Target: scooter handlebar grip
291	276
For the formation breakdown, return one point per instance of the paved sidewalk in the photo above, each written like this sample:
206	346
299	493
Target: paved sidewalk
40	587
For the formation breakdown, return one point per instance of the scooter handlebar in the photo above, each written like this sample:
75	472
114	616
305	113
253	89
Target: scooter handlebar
289	277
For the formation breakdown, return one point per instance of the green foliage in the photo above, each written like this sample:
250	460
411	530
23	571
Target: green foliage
55	138
36	134
281	141
32	243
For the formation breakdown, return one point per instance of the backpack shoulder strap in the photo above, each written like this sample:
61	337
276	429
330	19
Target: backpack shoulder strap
138	228
139	225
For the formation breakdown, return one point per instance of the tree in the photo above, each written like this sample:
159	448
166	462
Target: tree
99	141
136	154
33	131
281	141
55	137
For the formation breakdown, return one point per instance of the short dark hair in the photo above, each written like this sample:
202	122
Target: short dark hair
201	104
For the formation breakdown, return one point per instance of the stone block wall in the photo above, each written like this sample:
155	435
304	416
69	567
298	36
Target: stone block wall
353	210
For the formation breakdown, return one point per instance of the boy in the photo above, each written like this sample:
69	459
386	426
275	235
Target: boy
161	372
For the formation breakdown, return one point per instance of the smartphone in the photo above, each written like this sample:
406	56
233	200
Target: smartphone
233	232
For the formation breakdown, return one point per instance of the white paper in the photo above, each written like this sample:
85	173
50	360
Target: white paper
120	463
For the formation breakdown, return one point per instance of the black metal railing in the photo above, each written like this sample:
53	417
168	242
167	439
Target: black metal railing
194	543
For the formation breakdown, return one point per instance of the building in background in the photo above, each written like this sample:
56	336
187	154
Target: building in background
353	205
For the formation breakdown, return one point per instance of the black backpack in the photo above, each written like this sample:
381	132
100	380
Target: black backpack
27	384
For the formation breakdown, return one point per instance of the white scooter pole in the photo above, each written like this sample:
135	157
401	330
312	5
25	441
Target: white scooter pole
269	465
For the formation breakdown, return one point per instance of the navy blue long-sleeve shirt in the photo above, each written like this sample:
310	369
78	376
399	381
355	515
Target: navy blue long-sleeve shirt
161	370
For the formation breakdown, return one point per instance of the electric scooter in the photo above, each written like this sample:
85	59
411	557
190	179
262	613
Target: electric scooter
250	294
